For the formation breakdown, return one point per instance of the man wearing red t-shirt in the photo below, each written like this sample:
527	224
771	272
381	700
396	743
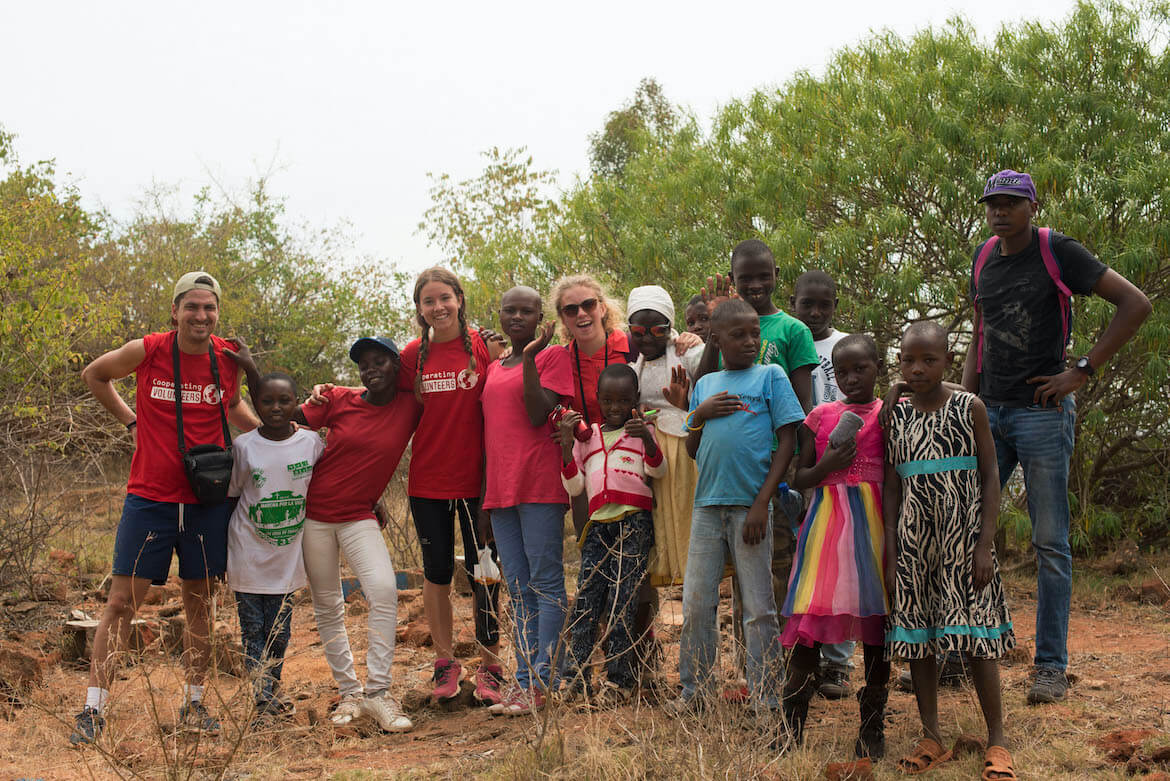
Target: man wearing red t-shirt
161	514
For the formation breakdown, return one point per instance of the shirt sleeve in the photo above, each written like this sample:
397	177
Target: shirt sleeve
1079	268
782	403
656	466
555	370
698	393
691	360
239	471
801	350
408	365
813	419
317	415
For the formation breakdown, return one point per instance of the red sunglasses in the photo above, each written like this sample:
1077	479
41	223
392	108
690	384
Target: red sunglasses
658	331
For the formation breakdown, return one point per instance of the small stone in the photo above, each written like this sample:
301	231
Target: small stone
418	634
859	770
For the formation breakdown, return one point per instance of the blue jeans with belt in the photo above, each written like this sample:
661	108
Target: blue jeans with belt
1040	441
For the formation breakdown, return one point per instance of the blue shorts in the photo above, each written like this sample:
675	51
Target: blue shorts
149	532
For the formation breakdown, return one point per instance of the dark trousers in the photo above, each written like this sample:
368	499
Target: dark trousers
265	625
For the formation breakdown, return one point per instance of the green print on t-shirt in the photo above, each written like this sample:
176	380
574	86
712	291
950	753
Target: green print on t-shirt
278	517
300	469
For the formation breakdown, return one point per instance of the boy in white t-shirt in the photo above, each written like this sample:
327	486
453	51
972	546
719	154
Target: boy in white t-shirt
814	302
271	474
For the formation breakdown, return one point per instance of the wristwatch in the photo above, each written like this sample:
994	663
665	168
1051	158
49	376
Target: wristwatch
1083	364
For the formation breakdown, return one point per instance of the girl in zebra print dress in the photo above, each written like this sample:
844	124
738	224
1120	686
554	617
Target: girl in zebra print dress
940	503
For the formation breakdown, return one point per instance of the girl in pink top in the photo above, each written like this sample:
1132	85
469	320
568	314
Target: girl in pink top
837	589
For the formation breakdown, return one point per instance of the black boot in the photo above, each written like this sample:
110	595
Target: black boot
798	690
871	738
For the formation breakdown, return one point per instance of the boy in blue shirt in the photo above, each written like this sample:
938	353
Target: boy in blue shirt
734	415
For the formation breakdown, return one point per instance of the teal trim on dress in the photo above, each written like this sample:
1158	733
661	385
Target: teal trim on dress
900	634
931	466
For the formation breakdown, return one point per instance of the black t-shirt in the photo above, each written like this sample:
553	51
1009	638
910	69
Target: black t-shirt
1022	331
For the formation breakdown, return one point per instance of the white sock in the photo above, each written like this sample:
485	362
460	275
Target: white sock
96	698
192	693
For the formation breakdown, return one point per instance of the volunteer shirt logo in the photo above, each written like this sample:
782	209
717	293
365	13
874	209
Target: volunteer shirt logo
438	382
164	390
278	517
300	469
467	379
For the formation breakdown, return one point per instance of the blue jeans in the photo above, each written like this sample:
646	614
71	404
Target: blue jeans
715	533
265	624
839	655
529	538
1040	440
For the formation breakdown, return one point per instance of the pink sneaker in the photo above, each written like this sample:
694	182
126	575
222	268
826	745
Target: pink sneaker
526	701
489	679
446	678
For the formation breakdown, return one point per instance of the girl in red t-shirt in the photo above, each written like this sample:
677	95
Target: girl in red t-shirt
446	366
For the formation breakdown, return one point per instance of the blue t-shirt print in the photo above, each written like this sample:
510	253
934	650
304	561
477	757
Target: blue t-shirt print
736	450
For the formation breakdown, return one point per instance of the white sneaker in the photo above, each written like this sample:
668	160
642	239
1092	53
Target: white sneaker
348	709
387	712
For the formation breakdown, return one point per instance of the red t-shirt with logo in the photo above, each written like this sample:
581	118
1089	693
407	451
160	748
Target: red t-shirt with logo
362	450
156	471
446	459
587	368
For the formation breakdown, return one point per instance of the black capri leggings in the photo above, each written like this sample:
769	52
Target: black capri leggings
434	524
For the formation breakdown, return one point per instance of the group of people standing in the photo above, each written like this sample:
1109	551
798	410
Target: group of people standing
681	454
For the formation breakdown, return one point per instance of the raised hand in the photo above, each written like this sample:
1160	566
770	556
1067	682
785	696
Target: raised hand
243	358
677	392
496	344
541	341
717	290
318	395
636	427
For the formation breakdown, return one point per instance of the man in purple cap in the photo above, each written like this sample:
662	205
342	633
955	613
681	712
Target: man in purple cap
1021	283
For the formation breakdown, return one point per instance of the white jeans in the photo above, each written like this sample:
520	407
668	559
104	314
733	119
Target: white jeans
365	551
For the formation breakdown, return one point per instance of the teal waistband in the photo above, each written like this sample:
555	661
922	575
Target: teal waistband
930	466
901	634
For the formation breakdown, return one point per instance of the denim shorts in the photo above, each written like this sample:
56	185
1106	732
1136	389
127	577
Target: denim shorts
149	532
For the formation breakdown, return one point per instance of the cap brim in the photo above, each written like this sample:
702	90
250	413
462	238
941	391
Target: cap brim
1012	193
356	350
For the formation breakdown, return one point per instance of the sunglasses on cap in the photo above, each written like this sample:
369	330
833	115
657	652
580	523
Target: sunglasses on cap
571	310
658	331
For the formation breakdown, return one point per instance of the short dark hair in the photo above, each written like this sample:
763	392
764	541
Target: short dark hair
928	328
751	248
815	277
274	377
695	299
732	307
618	371
864	340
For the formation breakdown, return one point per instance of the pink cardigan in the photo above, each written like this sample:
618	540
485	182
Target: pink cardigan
614	477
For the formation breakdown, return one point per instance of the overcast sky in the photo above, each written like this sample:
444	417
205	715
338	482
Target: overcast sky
353	103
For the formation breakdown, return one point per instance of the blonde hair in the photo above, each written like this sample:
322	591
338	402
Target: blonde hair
445	277
614	312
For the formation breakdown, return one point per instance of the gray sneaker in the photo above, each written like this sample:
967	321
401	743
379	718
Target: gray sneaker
1050	686
87	726
194	717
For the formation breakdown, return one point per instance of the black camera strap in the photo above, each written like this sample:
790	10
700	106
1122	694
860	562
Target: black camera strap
227	436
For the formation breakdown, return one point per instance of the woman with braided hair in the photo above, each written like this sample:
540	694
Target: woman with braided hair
446	366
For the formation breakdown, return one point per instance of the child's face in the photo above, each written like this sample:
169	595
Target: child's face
739	340
617	398
754	277
699	320
650	333
520	314
1009	215
856	373
814	305
923	360
276	404
378	368
582	311
439	306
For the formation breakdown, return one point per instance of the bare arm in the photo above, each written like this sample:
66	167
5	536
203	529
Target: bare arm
891	509
755	525
971	361
809	471
981	570
241	415
100	374
538	401
801	379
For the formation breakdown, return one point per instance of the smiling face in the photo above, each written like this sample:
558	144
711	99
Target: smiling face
520	314
378	368
739	339
195	314
276	403
1008	215
617	398
440	305
924	359
699	320
582	312
754	277
814	305
650	333
856	372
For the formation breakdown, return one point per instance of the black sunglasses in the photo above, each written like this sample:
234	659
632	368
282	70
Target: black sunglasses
571	310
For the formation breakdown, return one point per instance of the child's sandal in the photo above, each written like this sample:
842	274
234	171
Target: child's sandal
927	755
997	765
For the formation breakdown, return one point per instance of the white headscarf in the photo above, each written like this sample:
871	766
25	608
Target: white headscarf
651	297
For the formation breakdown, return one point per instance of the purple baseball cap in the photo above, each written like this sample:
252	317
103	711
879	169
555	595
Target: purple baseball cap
1009	182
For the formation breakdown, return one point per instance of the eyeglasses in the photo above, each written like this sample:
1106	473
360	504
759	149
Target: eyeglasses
658	331
571	310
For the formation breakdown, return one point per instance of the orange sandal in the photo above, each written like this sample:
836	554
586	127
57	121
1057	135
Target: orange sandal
997	765
927	755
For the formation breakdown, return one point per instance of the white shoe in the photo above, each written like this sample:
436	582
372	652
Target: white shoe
387	713
348	709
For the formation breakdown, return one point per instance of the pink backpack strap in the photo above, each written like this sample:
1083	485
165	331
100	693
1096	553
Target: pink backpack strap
1063	293
981	261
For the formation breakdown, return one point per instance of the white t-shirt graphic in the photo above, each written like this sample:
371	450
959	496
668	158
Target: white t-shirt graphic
264	536
824	380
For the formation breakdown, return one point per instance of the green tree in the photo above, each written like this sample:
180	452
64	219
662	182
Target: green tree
628	131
